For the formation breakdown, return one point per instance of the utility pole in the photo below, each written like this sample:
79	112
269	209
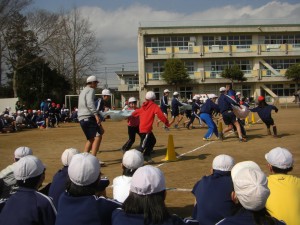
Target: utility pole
105	86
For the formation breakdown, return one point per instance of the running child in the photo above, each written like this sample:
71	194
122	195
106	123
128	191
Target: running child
133	125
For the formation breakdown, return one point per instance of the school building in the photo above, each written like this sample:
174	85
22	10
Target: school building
263	53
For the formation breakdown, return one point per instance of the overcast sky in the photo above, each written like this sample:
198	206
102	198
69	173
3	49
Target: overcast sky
116	22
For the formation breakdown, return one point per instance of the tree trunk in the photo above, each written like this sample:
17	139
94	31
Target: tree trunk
14	83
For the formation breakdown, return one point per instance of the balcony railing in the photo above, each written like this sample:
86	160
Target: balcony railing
230	49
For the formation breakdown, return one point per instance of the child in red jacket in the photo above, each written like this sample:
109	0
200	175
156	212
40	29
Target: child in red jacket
147	114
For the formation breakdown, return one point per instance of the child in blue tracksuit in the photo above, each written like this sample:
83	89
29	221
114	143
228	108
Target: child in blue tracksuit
195	111
206	112
264	111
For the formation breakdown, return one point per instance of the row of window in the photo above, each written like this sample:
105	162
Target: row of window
208	40
188	92
282	63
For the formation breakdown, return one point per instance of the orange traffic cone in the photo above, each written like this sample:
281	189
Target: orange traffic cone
252	118
171	155
247	121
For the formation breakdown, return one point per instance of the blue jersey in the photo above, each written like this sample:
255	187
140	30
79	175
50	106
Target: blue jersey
87	210
224	103
213	196
264	112
119	217
175	106
209	106
58	185
28	207
244	217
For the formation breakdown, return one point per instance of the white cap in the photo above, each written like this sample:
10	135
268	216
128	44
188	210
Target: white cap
28	167
106	92
147	180
49	100
84	169
196	97
67	155
166	91
241	165
223	163
222	89
238	93
175	93
251	188
212	96
280	158
133	159
34	111
22	151
150	95
190	100
132	99
91	79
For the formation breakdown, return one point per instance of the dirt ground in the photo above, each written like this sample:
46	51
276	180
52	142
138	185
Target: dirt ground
181	175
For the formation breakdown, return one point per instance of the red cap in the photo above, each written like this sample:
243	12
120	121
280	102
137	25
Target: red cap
261	98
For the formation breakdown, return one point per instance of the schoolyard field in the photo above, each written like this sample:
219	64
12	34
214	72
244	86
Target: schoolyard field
195	155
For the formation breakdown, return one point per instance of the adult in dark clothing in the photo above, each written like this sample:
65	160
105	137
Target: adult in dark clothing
264	111
206	112
213	193
225	103
164	105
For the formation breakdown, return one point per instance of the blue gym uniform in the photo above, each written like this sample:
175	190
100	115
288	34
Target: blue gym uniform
27	207
265	113
119	217
213	196
224	103
164	104
243	217
58	185
175	107
206	112
87	210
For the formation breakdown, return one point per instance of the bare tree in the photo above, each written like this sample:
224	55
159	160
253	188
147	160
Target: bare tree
81	47
7	9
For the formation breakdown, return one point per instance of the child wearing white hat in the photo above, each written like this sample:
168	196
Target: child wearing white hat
146	201
147	114
7	174
284	200
213	192
132	160
28	206
250	194
79	204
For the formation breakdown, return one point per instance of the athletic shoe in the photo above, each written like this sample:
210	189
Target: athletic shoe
176	126
242	140
221	136
206	139
103	164
148	159
166	128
